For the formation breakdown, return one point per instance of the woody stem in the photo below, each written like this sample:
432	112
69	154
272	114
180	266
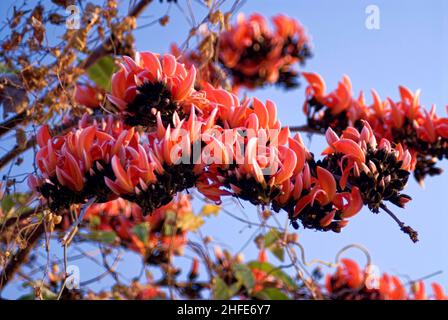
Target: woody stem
413	235
304	128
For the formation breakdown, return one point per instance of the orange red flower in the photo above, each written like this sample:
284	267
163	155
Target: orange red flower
256	55
406	122
153	84
350	282
155	236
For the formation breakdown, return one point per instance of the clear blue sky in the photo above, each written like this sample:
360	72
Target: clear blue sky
410	49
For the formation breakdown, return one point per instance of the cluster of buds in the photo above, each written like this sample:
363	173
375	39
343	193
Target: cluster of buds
350	282
423	133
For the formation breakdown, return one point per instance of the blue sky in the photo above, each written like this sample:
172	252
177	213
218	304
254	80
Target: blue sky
410	49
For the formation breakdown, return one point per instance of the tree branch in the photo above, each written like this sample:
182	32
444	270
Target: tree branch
96	54
305	129
104	48
12	122
20	257
9	222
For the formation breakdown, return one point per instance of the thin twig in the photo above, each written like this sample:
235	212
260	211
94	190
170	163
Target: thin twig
413	235
304	128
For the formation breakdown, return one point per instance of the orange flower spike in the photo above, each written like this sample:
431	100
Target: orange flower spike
429	129
262	256
152	63
399	291
301	204
87	96
250	162
43	135
410	100
342	95
406	95
299	150
298	186
367	134
378	105
186	85
355	277
351	149
123	140
418	289
327	182
289	161
85	141
70	174
397	115
272	111
283	136
262	113
352	134
331	136
325	221
169	64
317	84
123	180
438	292
442	127
354	204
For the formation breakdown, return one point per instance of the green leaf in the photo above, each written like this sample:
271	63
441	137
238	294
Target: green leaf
94	221
101	72
5	69
234	288
14	203
271	294
278	251
220	289
244	275
274	271
7	203
47	294
141	230
101	236
169	226
28	296
271	237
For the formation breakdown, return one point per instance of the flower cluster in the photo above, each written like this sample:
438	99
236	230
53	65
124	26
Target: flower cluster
217	143
104	161
74	167
255	55
349	282
423	133
378	170
153	84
